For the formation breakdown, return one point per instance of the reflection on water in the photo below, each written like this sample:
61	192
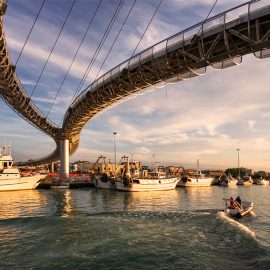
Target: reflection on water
21	203
106	229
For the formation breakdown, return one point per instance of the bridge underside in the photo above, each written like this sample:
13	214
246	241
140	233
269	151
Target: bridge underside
180	57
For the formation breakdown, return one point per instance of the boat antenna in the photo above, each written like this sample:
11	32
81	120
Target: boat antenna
132	155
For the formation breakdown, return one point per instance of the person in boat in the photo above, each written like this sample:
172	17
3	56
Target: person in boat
232	203
239	201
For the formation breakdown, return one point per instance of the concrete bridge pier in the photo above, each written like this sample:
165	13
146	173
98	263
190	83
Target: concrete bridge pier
52	167
64	158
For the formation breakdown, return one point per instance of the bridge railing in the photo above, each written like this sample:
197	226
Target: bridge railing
24	96
215	24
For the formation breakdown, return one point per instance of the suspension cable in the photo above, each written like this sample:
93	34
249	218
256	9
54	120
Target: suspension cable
33	25
147	28
207	16
80	45
98	49
48	58
120	30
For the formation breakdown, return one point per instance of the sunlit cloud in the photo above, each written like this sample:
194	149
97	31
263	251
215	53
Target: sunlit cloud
204	118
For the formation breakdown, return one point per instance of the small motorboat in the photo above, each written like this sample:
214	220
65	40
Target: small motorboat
233	209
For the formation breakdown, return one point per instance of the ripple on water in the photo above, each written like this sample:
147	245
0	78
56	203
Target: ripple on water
109	230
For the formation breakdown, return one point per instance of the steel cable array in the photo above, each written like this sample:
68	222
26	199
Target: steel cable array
98	50
32	27
119	32
48	58
147	28
77	51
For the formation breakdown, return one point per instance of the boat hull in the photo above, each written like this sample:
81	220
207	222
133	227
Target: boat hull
194	182
148	185
22	183
262	182
106	185
247	208
228	184
244	183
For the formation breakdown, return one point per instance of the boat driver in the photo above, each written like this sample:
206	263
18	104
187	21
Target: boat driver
239	201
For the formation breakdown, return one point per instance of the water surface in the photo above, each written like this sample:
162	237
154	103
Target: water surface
106	229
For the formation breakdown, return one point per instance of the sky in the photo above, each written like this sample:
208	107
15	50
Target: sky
207	117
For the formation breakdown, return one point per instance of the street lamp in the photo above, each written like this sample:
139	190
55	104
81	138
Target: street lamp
238	163
114	135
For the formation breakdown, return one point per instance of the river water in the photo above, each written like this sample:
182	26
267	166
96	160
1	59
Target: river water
106	229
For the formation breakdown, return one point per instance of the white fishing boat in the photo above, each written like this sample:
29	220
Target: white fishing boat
233	209
142	181
228	181
245	181
261	181
103	181
10	176
196	180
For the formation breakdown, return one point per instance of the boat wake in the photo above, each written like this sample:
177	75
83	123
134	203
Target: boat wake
236	224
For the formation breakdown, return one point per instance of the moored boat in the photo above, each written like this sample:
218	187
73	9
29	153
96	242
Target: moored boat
246	181
196	180
142	181
104	181
10	176
227	181
261	182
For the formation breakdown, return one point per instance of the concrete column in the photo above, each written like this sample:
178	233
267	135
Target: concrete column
64	158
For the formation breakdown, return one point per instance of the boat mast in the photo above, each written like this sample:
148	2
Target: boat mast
198	167
238	164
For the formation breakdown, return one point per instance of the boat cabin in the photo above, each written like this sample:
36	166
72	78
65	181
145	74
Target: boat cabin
6	162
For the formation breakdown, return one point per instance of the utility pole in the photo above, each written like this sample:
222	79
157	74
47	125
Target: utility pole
114	135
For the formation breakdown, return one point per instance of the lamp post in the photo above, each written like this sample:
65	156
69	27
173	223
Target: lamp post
114	135
238	163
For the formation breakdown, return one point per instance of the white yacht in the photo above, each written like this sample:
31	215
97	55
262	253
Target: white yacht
144	180
196	180
11	178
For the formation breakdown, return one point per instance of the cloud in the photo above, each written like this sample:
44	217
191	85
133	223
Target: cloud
251	124
206	117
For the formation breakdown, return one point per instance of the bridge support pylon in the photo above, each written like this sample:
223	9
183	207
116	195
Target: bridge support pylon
64	158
